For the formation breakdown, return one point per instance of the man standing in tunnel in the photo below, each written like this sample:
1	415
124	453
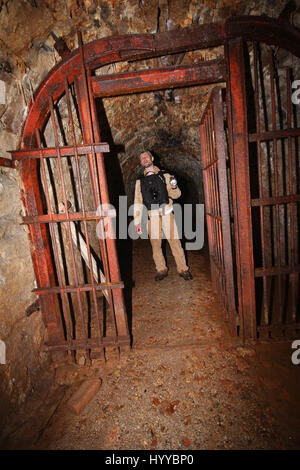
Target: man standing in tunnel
155	190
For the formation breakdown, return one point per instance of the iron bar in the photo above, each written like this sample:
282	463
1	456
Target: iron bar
274	134
211	183
260	182
215	183
78	287
280	326
276	270
276	182
66	151
268	201
72	216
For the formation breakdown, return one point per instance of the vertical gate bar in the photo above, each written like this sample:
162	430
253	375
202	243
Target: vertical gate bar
78	294
207	192
104	251
212	183
211	195
260	184
118	299
118	306
234	195
209	198
291	205
275	164
54	241
237	117
215	188
217	185
82	204
218	222
212	161
220	229
224	206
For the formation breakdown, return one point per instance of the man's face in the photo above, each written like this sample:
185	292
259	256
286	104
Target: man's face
146	160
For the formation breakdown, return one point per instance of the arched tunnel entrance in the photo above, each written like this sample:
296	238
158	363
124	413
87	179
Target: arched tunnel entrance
63	122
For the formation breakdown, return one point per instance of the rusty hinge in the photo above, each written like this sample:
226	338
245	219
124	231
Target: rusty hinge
7	162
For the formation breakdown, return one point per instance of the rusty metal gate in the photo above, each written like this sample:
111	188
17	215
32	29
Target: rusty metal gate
65	187
264	148
258	172
214	155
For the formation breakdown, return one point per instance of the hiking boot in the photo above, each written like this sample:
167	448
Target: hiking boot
161	275
186	275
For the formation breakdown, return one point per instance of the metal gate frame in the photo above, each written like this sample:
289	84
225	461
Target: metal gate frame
244	201
58	341
77	67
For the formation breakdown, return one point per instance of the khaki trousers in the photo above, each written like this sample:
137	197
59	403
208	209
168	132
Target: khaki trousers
156	224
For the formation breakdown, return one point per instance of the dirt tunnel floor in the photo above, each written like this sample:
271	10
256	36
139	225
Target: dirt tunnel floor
186	384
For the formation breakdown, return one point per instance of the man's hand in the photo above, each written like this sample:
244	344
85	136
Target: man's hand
138	228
